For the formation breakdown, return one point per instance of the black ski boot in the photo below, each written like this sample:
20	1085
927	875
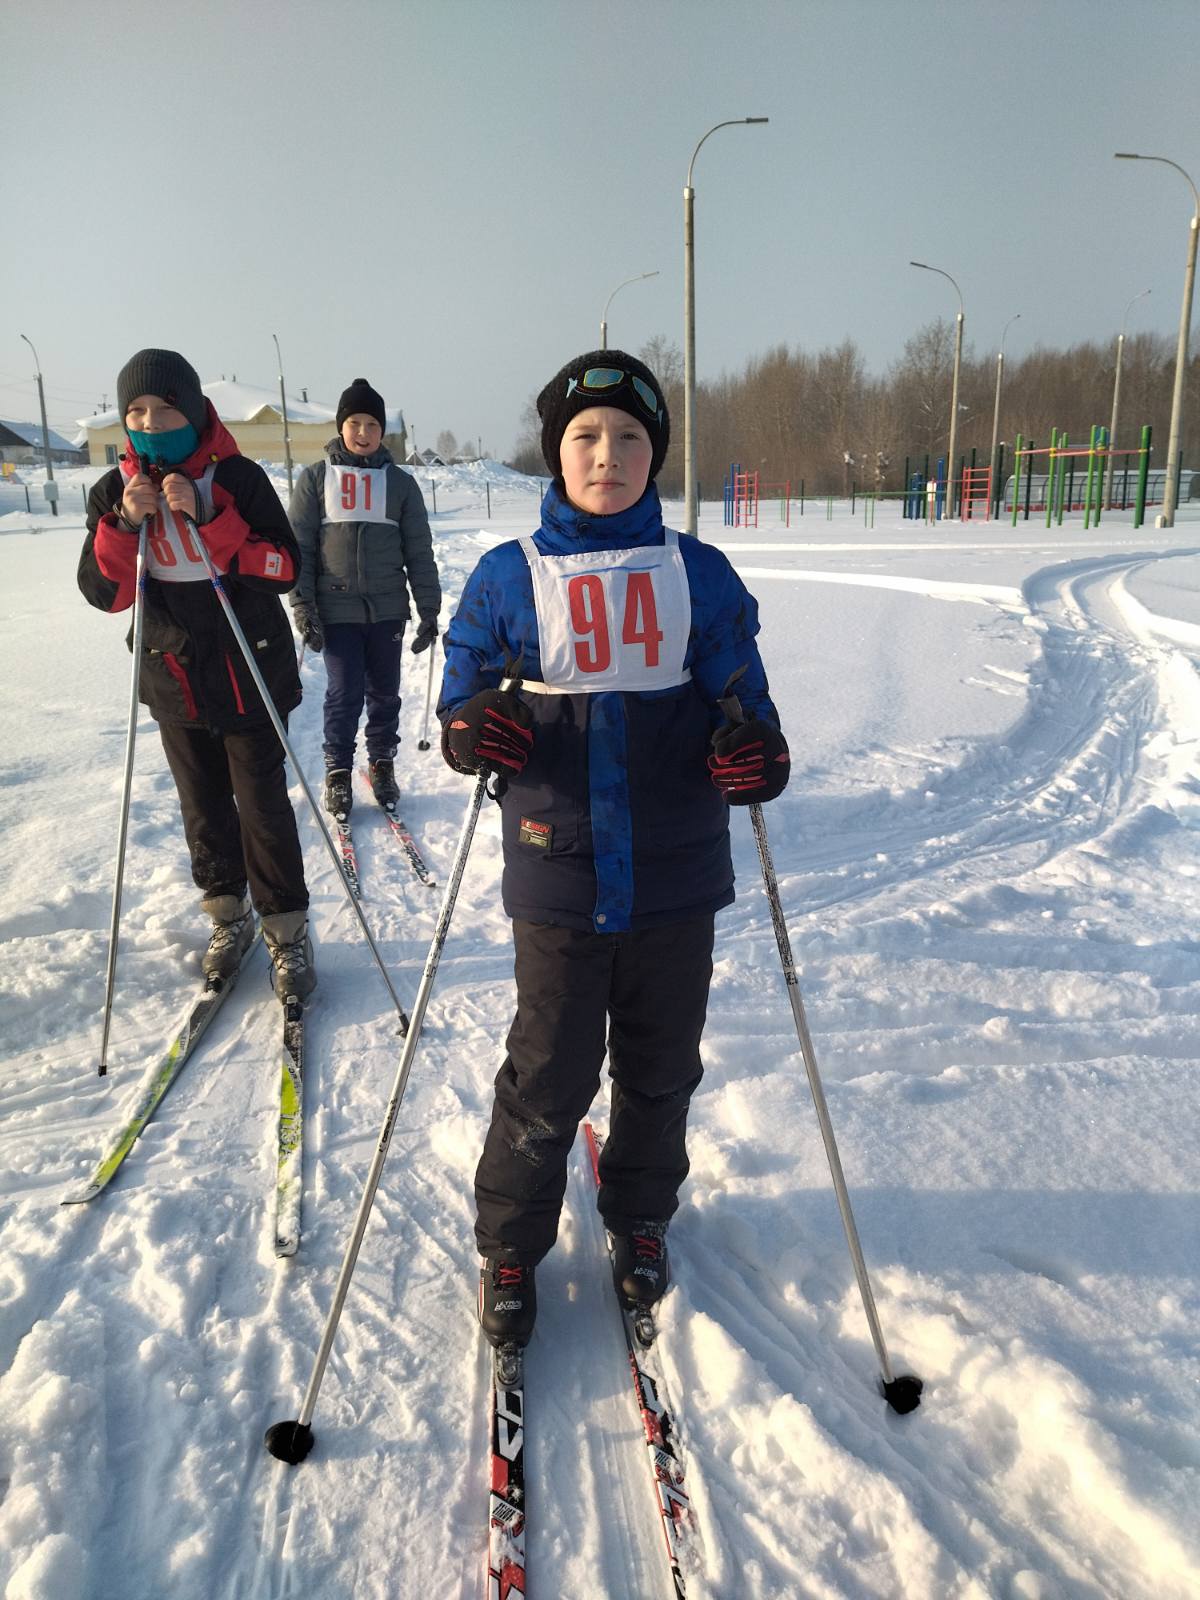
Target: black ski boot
383	782
507	1301
232	935
339	796
641	1270
293	976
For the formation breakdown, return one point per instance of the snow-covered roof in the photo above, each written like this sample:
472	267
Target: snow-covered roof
237	402
31	432
246	402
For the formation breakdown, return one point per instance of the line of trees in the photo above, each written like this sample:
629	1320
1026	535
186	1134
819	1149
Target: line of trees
822	417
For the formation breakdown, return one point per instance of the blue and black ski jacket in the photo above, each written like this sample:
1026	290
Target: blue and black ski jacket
614	824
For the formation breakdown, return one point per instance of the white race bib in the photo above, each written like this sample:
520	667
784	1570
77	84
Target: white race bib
171	554
612	619
355	494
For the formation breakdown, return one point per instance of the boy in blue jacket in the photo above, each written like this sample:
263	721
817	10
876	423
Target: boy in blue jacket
618	771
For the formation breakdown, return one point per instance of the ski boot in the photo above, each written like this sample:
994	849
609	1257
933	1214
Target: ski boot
232	935
507	1301
293	976
383	782
339	796
641	1270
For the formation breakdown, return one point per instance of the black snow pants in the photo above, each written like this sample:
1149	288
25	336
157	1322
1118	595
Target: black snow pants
650	990
237	815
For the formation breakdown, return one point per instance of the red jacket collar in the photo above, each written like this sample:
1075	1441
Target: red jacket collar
216	443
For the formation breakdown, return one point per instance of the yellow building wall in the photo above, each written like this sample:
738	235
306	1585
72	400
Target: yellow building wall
261	441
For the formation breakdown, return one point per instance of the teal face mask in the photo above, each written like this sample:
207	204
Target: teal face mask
170	448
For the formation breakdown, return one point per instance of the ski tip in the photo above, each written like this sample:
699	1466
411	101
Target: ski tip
289	1441
79	1197
903	1394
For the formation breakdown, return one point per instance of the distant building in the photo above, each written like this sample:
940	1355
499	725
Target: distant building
254	418
422	459
21	446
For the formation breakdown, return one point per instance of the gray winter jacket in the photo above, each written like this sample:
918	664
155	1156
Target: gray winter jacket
362	571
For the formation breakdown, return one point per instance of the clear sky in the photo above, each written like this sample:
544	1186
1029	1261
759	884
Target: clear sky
441	196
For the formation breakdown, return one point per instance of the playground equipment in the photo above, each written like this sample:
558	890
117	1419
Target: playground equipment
1074	479
742	491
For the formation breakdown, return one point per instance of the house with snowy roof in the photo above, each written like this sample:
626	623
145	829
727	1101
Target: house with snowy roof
21	445
255	419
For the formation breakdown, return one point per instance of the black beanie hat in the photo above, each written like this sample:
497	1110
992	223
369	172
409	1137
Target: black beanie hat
565	397
361	400
166	374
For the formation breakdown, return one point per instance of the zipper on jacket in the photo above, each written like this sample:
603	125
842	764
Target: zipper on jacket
237	693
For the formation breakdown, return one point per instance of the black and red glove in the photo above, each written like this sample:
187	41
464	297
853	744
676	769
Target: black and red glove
750	762
491	731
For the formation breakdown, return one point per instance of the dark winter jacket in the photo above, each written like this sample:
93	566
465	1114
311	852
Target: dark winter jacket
361	571
614	823
192	668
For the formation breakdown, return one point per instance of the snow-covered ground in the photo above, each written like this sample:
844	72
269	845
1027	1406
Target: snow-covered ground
988	856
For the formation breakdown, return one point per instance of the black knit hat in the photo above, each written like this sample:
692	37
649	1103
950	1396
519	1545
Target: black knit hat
361	400
166	374
610	375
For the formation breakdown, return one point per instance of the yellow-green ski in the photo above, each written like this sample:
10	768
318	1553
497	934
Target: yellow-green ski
154	1085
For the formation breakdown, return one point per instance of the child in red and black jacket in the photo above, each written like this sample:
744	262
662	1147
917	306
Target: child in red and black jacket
182	469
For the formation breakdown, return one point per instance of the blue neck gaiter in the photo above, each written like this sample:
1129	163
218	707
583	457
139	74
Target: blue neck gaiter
169	448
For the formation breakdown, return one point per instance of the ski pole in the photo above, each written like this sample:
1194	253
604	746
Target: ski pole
902	1393
277	722
291	1440
139	617
423	741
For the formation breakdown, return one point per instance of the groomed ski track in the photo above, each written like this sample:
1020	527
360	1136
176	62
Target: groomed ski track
1001	982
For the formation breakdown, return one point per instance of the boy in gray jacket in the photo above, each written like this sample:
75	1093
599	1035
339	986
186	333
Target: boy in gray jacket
364	543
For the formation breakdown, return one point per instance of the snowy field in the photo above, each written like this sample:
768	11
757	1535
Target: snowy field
989	858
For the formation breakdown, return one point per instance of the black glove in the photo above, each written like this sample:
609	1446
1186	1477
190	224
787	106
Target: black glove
425	635
308	626
489	732
750	762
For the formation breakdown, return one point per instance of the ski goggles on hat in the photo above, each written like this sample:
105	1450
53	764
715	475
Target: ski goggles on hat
597	379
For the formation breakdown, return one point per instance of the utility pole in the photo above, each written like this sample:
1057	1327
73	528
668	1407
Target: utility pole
287	438
51	489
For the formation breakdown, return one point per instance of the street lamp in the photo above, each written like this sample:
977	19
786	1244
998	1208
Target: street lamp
958	336
51	490
1167	519
287	438
1112	432
689	332
637	278
996	407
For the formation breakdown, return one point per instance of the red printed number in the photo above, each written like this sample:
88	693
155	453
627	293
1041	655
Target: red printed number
350	482
164	550
589	619
639	609
588	616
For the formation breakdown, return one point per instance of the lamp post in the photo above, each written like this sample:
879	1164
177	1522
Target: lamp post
689	332
637	278
287	438
1112	431
51	493
996	407
958	338
1167	518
